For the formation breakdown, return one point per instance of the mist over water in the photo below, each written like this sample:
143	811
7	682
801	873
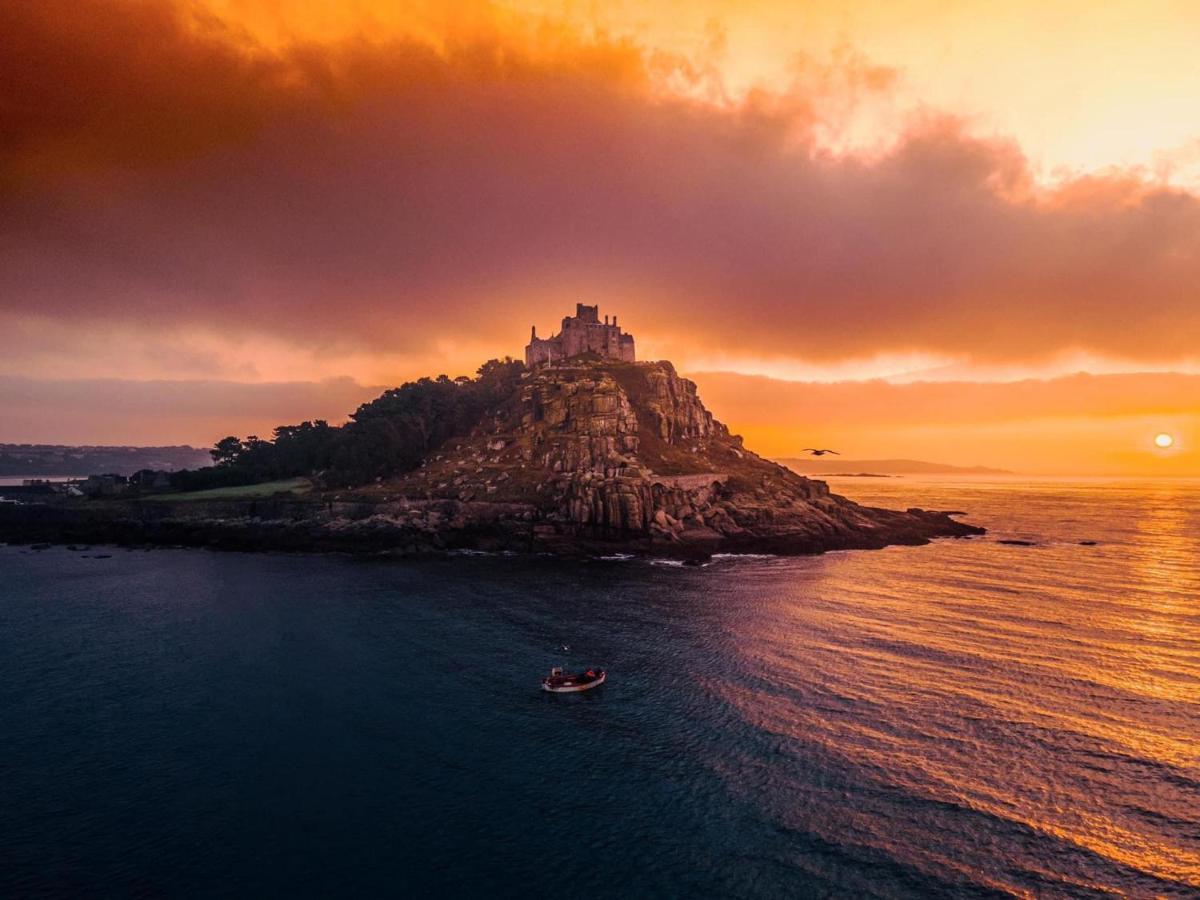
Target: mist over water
963	719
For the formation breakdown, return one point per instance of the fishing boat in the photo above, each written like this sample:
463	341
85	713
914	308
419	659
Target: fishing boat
559	683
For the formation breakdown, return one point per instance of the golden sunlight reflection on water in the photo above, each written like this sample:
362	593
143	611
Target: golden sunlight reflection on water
1053	688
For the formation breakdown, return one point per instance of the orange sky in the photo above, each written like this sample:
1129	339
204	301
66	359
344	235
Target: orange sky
210	208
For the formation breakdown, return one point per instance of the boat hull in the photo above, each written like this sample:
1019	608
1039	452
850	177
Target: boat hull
575	688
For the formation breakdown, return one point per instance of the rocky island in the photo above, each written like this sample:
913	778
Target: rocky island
580	450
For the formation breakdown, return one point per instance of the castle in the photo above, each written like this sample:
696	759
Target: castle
581	333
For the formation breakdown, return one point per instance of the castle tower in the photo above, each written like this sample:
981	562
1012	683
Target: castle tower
581	333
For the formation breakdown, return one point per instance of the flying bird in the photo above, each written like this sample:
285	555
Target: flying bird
815	452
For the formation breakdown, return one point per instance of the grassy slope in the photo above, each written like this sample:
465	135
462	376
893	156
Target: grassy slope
243	492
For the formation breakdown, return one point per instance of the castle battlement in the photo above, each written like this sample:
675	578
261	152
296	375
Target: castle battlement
581	333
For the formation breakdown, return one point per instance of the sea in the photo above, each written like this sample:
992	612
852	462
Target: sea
971	718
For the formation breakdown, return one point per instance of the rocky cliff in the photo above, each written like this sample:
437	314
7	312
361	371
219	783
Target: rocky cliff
586	456
595	452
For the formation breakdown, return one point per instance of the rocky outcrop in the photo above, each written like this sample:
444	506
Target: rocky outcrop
588	456
598	452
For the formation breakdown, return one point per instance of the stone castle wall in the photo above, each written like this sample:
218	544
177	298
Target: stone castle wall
581	333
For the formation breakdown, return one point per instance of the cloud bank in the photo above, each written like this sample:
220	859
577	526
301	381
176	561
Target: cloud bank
123	411
159	167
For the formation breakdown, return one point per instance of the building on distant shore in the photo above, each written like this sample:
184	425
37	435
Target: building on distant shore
581	333
104	485
148	480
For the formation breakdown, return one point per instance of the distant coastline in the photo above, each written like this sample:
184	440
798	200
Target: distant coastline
878	468
59	461
15	480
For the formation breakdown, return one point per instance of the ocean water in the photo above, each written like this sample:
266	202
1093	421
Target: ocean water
970	718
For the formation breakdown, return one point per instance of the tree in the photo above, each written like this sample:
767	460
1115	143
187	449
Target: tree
226	451
387	436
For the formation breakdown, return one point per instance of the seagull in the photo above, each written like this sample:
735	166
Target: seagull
815	452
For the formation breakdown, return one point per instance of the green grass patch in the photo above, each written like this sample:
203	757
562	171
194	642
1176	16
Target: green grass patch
243	492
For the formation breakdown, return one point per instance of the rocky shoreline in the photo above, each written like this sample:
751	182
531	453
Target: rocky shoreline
392	529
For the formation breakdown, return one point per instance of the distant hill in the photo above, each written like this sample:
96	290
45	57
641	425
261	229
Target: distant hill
809	465
59	460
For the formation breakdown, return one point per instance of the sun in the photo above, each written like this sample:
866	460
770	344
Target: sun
1164	440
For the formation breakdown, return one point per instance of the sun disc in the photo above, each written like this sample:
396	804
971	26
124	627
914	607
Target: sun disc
1163	440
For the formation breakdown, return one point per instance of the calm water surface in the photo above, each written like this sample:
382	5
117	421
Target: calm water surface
965	719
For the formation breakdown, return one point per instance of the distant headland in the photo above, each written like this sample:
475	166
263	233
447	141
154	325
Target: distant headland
54	460
808	465
580	449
